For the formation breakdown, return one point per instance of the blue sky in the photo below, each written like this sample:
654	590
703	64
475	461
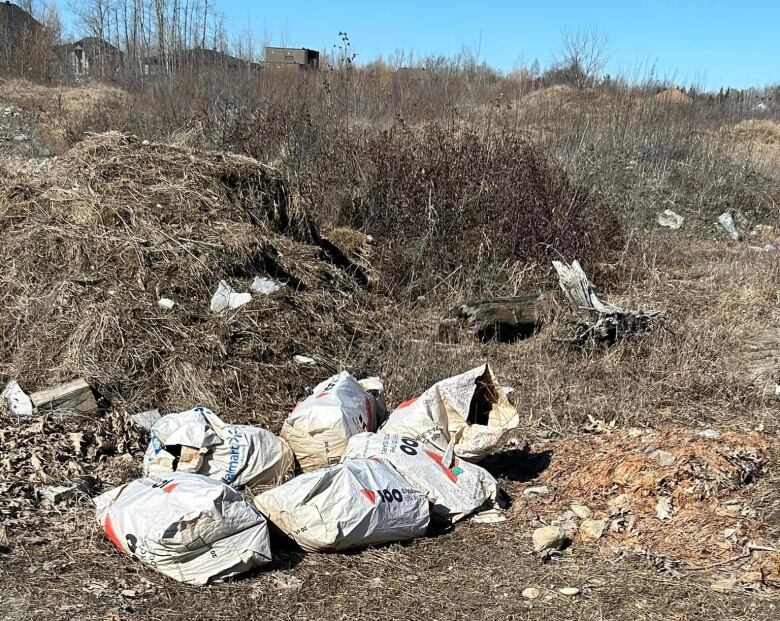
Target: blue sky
714	43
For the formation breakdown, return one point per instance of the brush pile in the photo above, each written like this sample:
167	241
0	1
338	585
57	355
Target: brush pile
89	250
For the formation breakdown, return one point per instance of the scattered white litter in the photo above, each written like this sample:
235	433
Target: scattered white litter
227	298
304	359
663	508
670	219
489	516
266	286
764	248
145	420
711	434
726	220
17	399
166	303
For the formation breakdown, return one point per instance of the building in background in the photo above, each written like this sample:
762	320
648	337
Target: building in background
16	26
89	57
291	58
197	59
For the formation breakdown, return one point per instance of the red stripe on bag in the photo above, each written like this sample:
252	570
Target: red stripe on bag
406	403
170	487
437	458
369	494
109	528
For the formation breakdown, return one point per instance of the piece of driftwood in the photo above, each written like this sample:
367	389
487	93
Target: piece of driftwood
504	319
605	321
75	395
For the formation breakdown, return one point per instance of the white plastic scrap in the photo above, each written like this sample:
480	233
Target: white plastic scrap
17	399
266	286
726	220
199	441
145	420
186	526
304	359
166	303
670	219
456	488
353	504
227	298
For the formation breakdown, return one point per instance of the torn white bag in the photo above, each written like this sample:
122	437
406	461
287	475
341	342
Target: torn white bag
456	488
471	409
340	407
353	504
189	527
199	441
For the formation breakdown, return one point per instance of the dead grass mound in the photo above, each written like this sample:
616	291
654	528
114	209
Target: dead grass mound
90	248
673	96
758	131
682	499
62	102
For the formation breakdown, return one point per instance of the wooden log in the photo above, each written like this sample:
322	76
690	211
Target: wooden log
504	319
75	395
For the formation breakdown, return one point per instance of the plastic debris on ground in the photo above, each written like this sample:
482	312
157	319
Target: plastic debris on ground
198	441
353	504
455	487
166	303
227	298
18	401
670	219
304	359
726	220
472	409
145	420
189	527
264	286
320	426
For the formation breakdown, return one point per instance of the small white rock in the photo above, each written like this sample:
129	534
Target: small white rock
536	490
167	303
548	538
663	508
710	434
304	359
569	591
581	511
531	593
662	458
593	529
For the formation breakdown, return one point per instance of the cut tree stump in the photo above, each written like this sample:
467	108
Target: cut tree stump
503	319
607	321
75	395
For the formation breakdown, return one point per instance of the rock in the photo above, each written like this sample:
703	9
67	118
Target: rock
21	138
670	219
581	511
663	508
592	529
166	303
726	220
536	490
710	434
724	585
569	591
621	500
531	593
18	401
548	538
662	458
56	493
129	593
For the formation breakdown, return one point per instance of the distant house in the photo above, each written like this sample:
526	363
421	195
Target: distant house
291	58
90	56
196	58
17	26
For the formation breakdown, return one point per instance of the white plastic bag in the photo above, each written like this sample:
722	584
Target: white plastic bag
320	426
199	441
353	504
189	527
456	487
471	409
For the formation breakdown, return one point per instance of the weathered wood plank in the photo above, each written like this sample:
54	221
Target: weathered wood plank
74	395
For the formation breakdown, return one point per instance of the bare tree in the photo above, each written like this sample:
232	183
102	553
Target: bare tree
583	56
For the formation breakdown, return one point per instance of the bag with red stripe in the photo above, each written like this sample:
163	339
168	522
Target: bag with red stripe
470	409
457	488
187	526
319	427
353	504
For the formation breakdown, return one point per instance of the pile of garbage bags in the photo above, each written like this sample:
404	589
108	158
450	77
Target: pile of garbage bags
368	478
